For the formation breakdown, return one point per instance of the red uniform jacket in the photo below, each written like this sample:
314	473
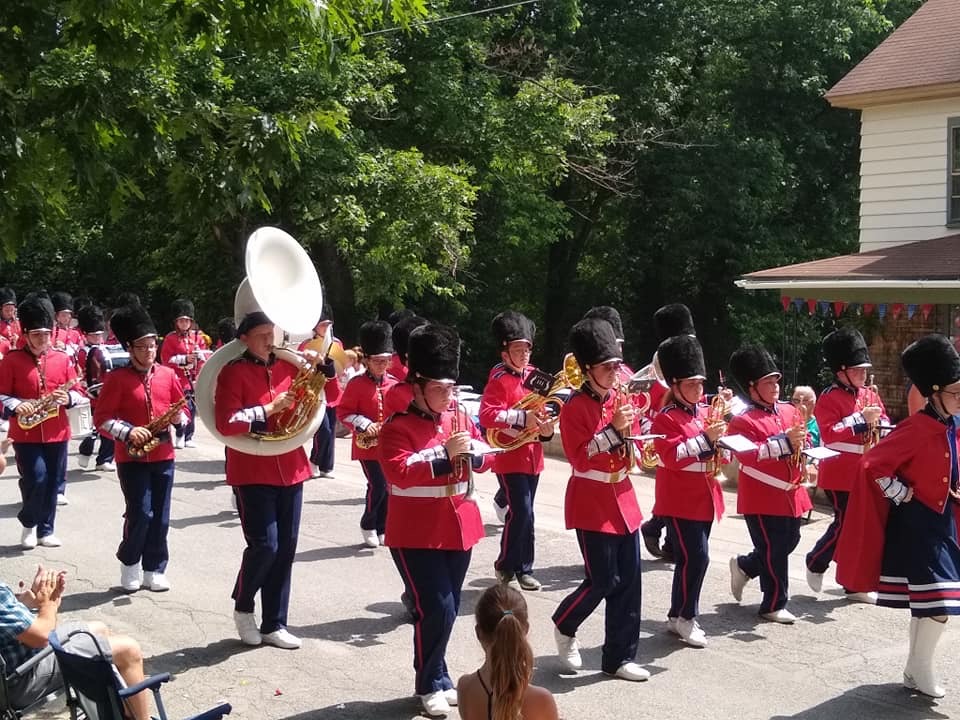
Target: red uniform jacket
397	398
10	329
769	482
122	405
20	379
178	352
842	428
361	406
5	347
600	495
685	489
244	386
397	368
412	456
503	390
915	453
70	340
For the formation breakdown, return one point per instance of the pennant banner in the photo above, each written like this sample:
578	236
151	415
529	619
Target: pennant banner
785	302
838	308
896	309
868	309
925	310
911	311
882	310
811	306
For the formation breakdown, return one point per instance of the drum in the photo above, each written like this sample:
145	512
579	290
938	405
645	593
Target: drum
81	420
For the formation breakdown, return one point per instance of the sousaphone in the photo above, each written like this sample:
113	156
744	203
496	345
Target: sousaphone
282	283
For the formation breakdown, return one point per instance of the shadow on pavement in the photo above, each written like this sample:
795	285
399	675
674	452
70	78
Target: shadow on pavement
336	503
355	632
890	701
92	598
547	673
396	709
178	661
222	516
9	510
201	467
335	552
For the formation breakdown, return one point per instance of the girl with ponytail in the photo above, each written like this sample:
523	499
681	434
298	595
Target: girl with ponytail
501	689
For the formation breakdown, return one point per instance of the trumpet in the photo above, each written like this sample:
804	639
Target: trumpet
873	429
716	416
797	459
462	464
44	408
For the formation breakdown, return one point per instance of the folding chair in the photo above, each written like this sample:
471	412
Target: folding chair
94	689
7	710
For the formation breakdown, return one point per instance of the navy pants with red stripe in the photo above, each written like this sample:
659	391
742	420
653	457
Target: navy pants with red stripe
517	540
691	556
270	517
146	490
434	579
774	538
42	466
818	559
612	567
375	511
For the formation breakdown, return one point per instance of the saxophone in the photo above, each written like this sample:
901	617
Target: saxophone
367	440
45	408
155	427
798	460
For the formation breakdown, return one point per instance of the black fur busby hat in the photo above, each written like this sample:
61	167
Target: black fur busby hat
510	326
90	319
36	313
845	348
130	323
931	363
750	364
127	298
398	316
376	338
61	301
401	334
252	320
672	320
681	358
8	296
182	308
433	353
611	315
593	342
226	330
326	314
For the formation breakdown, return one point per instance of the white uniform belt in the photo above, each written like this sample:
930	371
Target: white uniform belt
846	447
697	467
767	479
601	476
430	491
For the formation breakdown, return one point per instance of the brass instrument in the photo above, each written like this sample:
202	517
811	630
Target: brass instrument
44	408
570	377
155	427
307	390
716	415
797	460
623	398
873	429
366	440
462	464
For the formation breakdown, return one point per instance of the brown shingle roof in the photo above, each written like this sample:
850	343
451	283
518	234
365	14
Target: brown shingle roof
923	51
937	259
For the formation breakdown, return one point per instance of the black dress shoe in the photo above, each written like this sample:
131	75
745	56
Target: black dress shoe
652	544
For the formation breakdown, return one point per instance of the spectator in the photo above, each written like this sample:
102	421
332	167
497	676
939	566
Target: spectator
26	620
501	689
805	399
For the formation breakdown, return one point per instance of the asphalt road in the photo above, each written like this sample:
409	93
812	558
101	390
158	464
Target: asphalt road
838	661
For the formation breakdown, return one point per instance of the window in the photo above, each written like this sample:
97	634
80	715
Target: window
953	172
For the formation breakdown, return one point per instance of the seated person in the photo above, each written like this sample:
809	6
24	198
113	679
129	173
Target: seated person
26	620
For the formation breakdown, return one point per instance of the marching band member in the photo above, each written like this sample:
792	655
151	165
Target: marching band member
431	525
846	412
95	361
64	337
398	364
900	530
130	408
9	325
601	506
226	331
668	321
251	391
35	383
324	445
518	471
770	495
688	495
185	350
362	409
399	397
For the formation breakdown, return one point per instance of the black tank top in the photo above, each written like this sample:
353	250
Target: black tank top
489	696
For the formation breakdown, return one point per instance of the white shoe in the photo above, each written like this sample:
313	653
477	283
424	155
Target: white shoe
814	580
155	581
50	540
370	538
922	678
868	598
314	470
62	500
247	628
782	616
28	538
568	650
382	538
435	704
632	671
179	443
672	625
191	443
131	579
691	632
451	696
282	638
107	466
501	512
83	461
738	579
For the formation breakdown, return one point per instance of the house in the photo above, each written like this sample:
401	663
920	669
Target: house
908	93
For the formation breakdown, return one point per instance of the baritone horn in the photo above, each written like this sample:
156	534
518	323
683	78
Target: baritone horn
282	282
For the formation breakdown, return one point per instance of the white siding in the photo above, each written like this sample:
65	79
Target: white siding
903	172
